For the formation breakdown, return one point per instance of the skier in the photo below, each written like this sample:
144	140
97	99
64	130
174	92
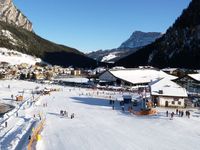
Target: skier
40	117
72	115
176	111
6	124
61	112
188	114
172	115
65	113
122	107
29	137
167	113
182	113
179	113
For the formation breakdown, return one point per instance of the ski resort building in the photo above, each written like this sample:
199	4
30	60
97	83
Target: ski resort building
191	82
133	77
167	93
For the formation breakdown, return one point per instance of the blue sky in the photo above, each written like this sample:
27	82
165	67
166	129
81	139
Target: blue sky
90	25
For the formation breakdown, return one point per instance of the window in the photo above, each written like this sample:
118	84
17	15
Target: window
179	102
173	102
175	99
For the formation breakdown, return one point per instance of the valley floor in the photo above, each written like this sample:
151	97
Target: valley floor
95	125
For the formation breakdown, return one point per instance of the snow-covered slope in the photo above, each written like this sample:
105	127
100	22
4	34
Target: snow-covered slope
13	57
96	125
109	57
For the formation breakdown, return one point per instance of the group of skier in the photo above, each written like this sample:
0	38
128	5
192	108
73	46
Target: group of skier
179	113
64	113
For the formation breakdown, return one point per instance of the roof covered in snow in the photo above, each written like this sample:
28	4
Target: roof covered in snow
165	87
169	69
139	76
195	76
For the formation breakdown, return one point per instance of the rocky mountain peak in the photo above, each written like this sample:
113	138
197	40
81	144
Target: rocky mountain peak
10	14
140	39
5	2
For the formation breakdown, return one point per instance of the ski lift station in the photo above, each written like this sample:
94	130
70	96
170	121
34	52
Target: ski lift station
133	77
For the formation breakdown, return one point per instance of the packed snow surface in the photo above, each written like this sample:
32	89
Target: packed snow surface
96	125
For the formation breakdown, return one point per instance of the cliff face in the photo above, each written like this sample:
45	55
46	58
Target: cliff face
140	39
10	14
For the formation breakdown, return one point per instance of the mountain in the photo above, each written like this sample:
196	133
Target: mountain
140	39
14	36
137	40
10	14
178	47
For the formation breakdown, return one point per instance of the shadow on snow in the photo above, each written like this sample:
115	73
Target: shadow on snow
91	101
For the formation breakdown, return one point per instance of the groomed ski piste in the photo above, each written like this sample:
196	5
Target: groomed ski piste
95	126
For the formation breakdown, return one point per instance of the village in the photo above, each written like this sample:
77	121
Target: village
35	96
161	84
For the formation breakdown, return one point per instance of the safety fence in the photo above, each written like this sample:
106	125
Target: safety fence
36	134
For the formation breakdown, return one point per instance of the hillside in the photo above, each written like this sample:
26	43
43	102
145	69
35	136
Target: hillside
16	34
15	38
179	47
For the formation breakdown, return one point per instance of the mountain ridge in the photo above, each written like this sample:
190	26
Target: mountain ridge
140	39
137	40
178	47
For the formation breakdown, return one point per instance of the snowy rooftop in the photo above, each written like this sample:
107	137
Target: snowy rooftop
168	88
169	69
137	76
195	76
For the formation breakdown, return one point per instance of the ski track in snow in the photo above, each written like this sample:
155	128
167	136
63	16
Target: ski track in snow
96	126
